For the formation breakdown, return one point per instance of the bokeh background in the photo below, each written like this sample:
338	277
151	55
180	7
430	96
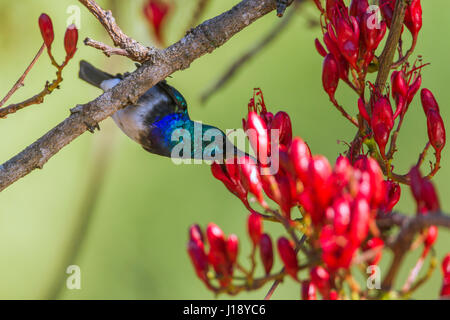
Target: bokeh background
132	244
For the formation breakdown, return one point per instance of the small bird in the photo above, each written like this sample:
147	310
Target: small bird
159	121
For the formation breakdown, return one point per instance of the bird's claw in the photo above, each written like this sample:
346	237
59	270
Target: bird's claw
281	7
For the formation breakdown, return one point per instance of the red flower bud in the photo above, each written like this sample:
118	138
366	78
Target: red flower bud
446	265
358	8
416	183
413	18
362	110
377	245
333	295
300	155
156	12
198	259
371	181
251	179
436	130
216	238
320	49
46	27
70	41
341	208
256	130
429	196
431	236
330	75
424	192
344	31
308	291
428	101
288	256
382	122
320	278
334	8
399	86
320	179
371	34
445	291
399	91
413	88
255	227
232	247
343	171
196	234
359	225
393	192
387	10
266	252
282	122
230	178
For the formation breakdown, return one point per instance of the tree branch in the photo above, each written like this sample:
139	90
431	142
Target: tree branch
135	50
248	55
203	39
387	56
401	243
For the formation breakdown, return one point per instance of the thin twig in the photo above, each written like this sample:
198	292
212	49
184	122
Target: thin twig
401	243
199	10
277	282
135	50
249	54
387	56
38	98
107	50
19	82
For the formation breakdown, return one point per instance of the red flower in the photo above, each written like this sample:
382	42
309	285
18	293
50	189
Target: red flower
393	192
413	18
266	252
288	256
330	75
70	41
257	133
424	192
320	278
300	155
382	122
46	27
344	32
445	291
255	227
232	243
156	12
251	179
308	290
198	259
377	245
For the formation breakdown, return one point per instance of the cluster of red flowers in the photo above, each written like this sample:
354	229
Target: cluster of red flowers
352	36
341	204
70	38
223	251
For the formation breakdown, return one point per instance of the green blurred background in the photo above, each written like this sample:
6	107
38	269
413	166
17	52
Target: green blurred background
134	245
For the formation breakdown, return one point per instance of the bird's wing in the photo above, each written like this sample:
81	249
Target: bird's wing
175	95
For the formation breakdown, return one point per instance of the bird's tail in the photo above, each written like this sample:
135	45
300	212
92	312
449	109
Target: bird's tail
92	75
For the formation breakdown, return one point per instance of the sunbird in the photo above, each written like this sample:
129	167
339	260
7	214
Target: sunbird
159	121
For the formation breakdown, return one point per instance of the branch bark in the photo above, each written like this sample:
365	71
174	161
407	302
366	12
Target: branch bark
401	243
205	38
